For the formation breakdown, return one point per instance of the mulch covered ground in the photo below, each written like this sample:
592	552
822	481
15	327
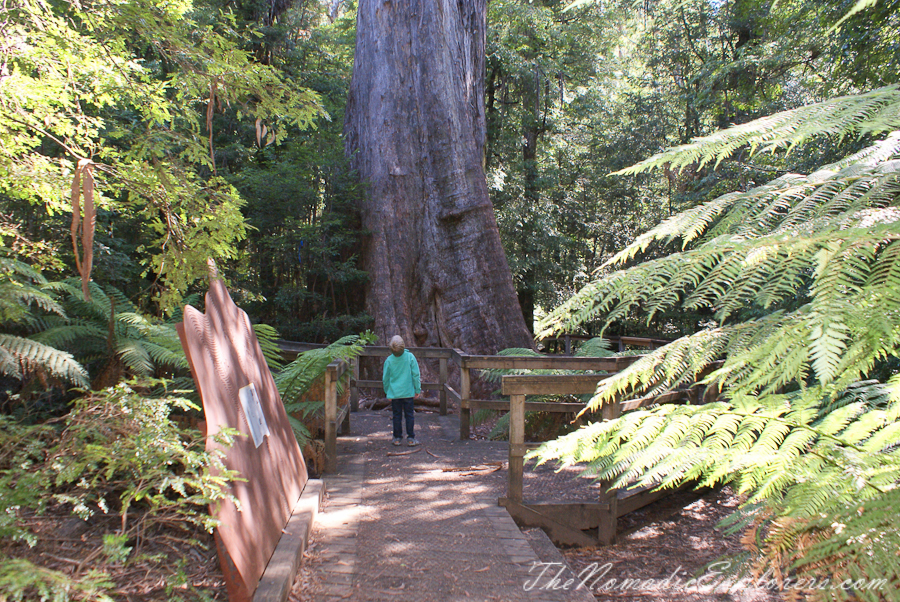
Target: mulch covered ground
167	563
660	549
670	551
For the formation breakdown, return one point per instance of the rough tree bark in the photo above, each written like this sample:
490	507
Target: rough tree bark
415	131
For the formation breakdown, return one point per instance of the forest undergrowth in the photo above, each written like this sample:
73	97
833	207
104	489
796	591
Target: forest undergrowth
110	502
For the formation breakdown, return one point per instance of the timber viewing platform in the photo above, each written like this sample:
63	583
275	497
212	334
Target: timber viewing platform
460	518
423	524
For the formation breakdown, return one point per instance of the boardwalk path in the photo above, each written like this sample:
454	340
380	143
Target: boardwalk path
400	527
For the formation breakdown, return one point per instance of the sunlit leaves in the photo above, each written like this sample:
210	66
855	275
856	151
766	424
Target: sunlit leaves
124	84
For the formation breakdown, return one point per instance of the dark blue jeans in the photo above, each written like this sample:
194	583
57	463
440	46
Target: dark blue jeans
404	406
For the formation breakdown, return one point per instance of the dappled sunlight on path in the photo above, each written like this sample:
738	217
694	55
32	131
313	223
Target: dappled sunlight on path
425	525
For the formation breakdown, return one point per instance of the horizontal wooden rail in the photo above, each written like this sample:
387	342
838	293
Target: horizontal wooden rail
452	393
551	384
550	362
585	384
419	352
530	406
377	384
619	342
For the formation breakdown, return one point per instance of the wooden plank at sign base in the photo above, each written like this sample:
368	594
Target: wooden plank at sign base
276	582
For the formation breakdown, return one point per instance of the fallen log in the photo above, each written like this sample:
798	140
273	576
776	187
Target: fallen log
382	403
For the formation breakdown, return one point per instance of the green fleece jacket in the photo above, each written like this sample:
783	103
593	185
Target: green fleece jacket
401	376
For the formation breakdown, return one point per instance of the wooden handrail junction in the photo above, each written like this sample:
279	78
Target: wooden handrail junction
497	362
566	522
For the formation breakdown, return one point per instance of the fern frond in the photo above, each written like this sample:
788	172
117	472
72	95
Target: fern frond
135	355
26	295
297	377
165	356
874	112
33	355
595	347
64	336
268	338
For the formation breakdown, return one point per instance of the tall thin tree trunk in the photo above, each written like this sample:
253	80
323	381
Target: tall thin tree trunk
415	131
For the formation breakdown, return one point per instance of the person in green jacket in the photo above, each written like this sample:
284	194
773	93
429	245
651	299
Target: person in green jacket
402	384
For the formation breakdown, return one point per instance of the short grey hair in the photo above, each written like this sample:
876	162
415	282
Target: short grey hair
397	343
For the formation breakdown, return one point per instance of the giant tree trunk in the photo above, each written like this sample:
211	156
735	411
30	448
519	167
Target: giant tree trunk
415	132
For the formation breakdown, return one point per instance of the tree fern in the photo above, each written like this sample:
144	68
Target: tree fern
268	342
19	291
298	377
802	277
108	328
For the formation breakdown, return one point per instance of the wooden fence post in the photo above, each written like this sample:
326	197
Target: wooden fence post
606	531
464	386
443	383
516	448
330	420
354	388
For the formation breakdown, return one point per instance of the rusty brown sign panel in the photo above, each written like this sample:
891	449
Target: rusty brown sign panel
238	391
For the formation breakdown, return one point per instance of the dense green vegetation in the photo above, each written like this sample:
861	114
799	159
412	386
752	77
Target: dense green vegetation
797	275
185	130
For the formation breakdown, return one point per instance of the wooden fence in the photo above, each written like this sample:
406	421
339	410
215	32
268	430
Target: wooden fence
465	364
567	523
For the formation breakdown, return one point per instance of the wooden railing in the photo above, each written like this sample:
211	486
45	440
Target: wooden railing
566	522
467	363
466	366
334	416
563	343
422	353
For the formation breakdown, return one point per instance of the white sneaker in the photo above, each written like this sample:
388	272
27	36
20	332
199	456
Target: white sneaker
397	442
411	442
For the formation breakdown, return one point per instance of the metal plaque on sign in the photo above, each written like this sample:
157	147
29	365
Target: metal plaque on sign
256	419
